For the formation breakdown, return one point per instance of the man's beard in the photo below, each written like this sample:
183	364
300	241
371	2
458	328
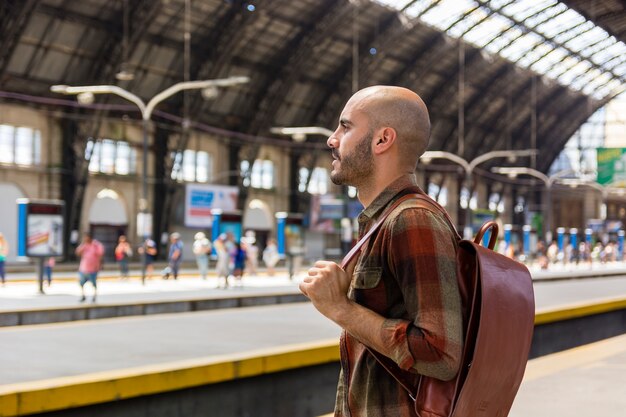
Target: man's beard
354	167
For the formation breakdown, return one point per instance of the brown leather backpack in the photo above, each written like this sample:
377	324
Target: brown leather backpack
498	318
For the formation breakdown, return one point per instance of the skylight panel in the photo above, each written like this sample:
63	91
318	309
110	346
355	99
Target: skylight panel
574	72
536	53
594	84
597	45
579	43
566	19
606	54
446	10
569	34
543	35
395	4
509	33
467	22
583	80
522	45
546	63
418	7
545	15
484	32
620	69
523	9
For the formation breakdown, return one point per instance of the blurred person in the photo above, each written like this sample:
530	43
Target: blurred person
222	267
90	252
270	256
542	258
584	252
201	249
596	253
609	252
252	256
553	252
47	269
4	252
400	296
174	257
148	251
239	263
123	252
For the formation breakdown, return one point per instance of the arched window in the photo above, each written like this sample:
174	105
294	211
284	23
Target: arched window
318	184
261	176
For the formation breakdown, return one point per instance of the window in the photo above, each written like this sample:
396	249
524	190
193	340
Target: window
192	166
20	145
496	202
439	194
318	184
465	199
261	175
108	156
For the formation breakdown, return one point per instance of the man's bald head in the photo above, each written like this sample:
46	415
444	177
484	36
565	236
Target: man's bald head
401	109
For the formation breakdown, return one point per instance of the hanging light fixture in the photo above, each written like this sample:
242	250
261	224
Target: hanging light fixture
125	74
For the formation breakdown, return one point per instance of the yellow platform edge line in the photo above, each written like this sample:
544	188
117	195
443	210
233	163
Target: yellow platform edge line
63	393
579	310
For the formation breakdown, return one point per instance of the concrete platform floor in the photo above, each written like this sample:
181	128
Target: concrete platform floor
585	381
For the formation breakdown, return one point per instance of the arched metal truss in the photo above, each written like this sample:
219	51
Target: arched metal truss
299	56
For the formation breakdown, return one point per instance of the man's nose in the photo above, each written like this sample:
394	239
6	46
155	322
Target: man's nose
332	141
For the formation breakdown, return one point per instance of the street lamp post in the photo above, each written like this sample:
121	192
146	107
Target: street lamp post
513	172
469	167
146	109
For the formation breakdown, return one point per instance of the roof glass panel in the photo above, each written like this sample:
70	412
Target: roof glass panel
585	39
470	18
573	31
565	19
543	34
609	53
552	58
521	46
523	9
546	15
485	31
574	72
446	10
417	8
620	69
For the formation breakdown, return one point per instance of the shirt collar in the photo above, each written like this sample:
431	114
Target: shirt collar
384	198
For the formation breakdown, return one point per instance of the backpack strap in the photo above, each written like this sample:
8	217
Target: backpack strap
422	201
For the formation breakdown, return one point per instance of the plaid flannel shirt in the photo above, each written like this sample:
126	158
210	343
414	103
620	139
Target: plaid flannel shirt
407	274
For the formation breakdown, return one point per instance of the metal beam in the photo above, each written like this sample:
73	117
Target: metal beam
13	21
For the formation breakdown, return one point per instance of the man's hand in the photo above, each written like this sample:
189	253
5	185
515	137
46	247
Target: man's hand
326	285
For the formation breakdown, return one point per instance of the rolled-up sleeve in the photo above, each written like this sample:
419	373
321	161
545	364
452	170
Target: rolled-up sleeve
421	256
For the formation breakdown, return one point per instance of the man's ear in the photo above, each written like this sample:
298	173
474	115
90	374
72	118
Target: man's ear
384	139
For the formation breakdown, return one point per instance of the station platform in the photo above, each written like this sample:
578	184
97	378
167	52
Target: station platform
149	359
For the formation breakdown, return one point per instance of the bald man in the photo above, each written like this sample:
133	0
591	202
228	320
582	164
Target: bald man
400	296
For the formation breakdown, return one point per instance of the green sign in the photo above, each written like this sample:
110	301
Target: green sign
611	166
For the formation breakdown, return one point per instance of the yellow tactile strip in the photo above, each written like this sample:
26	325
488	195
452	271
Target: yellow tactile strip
571	311
68	392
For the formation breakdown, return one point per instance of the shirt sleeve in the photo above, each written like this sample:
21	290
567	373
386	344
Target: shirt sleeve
421	257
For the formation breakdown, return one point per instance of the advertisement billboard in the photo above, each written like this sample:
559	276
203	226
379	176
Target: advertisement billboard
40	228
201	199
611	166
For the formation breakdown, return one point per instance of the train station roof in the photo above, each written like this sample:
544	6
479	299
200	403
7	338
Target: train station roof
519	73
